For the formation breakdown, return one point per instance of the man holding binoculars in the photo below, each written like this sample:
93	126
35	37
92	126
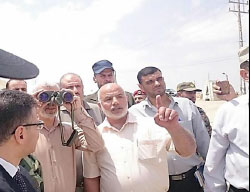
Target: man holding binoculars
58	142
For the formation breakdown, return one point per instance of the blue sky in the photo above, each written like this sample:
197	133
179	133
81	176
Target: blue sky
187	39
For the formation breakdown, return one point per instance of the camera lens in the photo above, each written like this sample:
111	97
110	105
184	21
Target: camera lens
67	97
44	97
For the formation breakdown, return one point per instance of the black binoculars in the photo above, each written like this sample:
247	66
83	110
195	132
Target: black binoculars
58	97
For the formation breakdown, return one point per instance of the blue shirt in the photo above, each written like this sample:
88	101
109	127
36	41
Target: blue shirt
191	120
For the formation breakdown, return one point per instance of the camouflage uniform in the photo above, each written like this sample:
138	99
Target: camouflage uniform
33	166
206	120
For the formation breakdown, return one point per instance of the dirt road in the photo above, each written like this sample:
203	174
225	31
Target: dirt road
210	107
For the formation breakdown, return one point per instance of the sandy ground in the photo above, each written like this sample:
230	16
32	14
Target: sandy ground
210	107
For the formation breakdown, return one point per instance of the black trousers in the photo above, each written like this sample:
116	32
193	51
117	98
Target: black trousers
189	184
233	189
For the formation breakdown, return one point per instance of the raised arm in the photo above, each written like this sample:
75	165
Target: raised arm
167	118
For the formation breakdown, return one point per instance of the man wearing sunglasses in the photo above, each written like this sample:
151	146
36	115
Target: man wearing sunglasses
54	150
19	132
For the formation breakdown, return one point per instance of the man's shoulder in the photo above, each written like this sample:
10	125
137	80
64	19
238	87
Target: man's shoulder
183	101
93	106
233	104
5	181
92	98
138	108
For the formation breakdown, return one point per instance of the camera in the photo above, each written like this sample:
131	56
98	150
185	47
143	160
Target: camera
58	97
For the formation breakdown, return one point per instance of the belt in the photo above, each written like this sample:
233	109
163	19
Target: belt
183	176
234	189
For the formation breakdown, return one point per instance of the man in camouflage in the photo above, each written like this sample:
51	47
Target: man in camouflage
30	163
188	90
33	166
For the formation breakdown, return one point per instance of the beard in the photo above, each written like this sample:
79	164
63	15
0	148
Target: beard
49	115
113	116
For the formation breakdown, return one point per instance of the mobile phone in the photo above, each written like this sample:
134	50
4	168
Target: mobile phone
224	87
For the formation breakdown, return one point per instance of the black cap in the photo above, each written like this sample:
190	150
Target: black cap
14	67
100	66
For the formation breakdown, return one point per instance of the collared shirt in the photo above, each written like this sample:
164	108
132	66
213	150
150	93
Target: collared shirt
11	169
94	111
133	159
228	156
59	162
190	119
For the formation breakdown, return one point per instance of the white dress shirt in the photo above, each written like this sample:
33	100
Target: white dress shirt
191	120
228	156
11	169
134	158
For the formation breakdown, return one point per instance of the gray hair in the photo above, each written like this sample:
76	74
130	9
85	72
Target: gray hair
41	84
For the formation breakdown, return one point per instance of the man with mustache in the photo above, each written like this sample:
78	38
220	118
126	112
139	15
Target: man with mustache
182	170
104	73
73	82
134	157
59	161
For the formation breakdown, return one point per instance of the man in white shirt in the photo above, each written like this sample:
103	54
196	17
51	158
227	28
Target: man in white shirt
134	157
228	156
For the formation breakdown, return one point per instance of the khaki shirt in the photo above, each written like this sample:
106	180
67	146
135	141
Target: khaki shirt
59	162
93	98
134	158
94	111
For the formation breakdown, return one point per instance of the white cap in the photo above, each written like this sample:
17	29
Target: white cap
244	54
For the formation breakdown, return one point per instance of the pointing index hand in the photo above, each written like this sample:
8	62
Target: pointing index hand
159	102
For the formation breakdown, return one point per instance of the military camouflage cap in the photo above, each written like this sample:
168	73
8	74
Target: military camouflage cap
187	86
244	54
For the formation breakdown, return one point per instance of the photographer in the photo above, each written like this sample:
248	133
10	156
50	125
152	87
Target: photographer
57	159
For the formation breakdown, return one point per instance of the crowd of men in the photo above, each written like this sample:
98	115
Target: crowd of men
56	139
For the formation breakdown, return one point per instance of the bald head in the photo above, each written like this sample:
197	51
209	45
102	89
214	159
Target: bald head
113	101
73	82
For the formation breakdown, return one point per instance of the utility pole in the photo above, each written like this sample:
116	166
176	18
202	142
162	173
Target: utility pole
239	8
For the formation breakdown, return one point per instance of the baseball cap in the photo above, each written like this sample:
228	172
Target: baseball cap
244	54
14	67
100	66
187	86
139	92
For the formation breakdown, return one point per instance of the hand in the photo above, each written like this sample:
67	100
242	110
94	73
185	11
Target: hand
232	95
165	117
75	104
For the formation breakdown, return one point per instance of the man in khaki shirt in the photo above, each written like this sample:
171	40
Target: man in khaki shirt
58	161
74	83
134	157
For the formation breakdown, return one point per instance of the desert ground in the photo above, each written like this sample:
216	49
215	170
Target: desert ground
210	107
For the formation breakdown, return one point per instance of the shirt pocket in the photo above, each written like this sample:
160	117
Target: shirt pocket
148	149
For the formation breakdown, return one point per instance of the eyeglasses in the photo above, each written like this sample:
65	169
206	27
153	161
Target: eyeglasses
39	125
